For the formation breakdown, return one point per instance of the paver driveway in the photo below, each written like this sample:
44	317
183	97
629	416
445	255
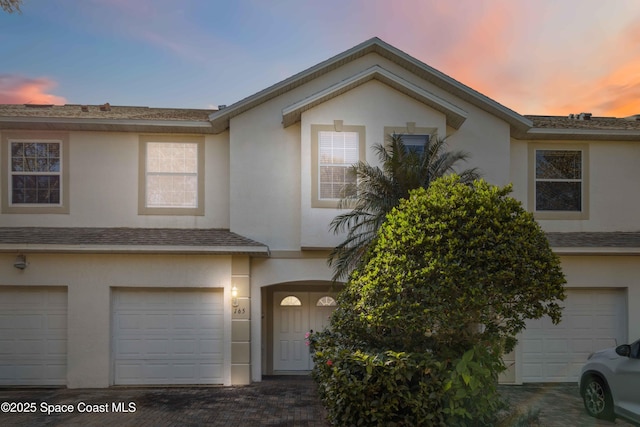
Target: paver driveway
276	401
560	405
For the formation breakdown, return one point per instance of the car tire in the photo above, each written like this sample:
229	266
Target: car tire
597	398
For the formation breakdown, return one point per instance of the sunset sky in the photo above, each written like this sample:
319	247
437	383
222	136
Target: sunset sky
533	56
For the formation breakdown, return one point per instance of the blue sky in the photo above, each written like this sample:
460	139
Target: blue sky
534	56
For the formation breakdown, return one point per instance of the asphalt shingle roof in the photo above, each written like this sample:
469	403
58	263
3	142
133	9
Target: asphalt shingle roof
221	241
112	112
594	123
594	240
145	239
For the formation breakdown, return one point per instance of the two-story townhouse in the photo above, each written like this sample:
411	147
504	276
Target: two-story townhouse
161	246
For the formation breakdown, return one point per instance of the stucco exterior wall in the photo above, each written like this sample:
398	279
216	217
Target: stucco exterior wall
621	272
373	105
264	186
90	280
612	197
269	164
103	186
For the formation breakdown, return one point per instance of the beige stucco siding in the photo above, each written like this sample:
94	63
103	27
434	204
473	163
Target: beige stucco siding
621	272
373	105
611	199
90	280
265	189
103	186
270	164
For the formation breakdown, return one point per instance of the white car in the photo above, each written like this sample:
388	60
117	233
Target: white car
610	383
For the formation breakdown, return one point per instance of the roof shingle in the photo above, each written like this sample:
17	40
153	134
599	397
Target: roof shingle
113	112
218	241
594	240
594	123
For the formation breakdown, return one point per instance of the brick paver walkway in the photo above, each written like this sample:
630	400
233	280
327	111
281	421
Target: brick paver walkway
276	401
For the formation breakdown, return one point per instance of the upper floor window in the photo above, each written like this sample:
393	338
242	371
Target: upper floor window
36	173
415	143
172	175
338	151
559	182
333	154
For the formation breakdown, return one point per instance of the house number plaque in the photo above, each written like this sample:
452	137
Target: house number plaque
242	310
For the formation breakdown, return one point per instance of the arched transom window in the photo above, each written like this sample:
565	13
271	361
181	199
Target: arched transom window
326	301
290	301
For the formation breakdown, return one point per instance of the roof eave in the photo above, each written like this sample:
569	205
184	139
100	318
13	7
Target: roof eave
106	125
455	115
254	251
518	123
581	134
220	119
607	250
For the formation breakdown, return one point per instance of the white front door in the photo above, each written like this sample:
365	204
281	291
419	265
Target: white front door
295	314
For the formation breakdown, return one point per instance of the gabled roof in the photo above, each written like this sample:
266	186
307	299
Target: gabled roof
128	240
104	118
220	119
455	116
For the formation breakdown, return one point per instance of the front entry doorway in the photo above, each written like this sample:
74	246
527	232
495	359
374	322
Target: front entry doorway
295	314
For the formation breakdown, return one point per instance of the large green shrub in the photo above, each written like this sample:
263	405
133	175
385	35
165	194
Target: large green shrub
455	271
453	266
365	388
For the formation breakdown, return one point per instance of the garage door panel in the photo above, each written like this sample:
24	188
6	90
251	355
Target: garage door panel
156	321
211	347
57	347
185	321
168	336
583	346
57	321
211	370
591	320
30	347
581	322
169	373
556	346
33	336
184	347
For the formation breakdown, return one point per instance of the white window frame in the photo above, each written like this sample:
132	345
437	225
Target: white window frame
144	174
10	138
316	200
583	213
335	138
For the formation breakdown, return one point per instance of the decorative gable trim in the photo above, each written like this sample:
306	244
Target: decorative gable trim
455	116
518	123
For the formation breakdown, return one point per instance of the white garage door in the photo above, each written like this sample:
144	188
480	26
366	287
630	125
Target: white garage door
33	336
168	336
592	320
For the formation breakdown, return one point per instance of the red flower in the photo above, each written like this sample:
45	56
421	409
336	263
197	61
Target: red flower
329	362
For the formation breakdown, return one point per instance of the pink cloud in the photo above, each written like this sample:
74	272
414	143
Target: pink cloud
535	58
15	89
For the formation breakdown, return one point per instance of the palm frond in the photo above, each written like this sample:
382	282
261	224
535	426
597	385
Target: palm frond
377	190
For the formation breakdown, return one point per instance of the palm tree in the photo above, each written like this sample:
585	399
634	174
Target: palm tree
377	191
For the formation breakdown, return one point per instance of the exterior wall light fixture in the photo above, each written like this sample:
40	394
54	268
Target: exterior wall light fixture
234	296
21	262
